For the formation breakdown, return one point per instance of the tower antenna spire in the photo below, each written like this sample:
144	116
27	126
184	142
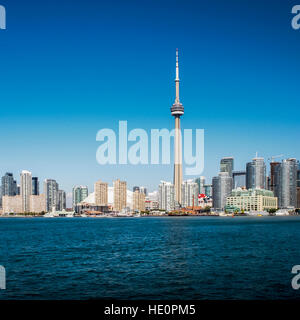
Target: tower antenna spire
177	78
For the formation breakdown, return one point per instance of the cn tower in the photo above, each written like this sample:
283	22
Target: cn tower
177	111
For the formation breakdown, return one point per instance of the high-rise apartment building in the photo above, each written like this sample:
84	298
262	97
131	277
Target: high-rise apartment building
8	185
140	189
201	183
222	186
285	180
239	179
35	186
61	200
101	193
189	193
208	190
144	190
138	201
26	189
120	195
273	166
227	165
79	193
166	196
51	192
256	174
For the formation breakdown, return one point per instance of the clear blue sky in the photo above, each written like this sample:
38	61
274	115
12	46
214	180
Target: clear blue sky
69	68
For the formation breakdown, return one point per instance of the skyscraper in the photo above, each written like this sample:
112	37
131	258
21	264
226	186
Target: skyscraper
15	188
273	166
166	196
208	190
144	190
26	189
51	190
256	174
227	165
8	185
222	186
120	195
239	179
61	200
35	186
101	193
200	182
177	111
138	200
189	193
79	194
286	183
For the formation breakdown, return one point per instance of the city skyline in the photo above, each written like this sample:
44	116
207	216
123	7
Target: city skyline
241	89
281	178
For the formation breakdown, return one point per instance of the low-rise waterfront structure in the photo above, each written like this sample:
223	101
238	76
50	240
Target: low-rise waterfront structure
252	199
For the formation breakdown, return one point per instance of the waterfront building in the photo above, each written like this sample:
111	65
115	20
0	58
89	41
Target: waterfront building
38	203
177	110
144	190
227	165
256	174
16	188
120	195
138	201
201	183
8	185
79	193
61	200
286	183
101	193
12	204
35	186
151	205
152	201
273	166
222	186
239	179
51	191
26	189
166	195
205	202
252	199
189	193
208	190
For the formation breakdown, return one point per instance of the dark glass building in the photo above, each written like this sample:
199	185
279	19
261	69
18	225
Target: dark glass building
35	186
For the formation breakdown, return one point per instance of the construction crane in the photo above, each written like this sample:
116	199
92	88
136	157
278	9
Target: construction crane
275	157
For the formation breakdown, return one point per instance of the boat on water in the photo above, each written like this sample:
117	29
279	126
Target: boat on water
257	213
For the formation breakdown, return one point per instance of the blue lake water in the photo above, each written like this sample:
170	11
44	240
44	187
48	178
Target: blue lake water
150	258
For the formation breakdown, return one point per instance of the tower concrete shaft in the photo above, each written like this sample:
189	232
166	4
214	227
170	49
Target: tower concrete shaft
177	111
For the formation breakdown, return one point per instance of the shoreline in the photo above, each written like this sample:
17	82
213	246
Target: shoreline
152	216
